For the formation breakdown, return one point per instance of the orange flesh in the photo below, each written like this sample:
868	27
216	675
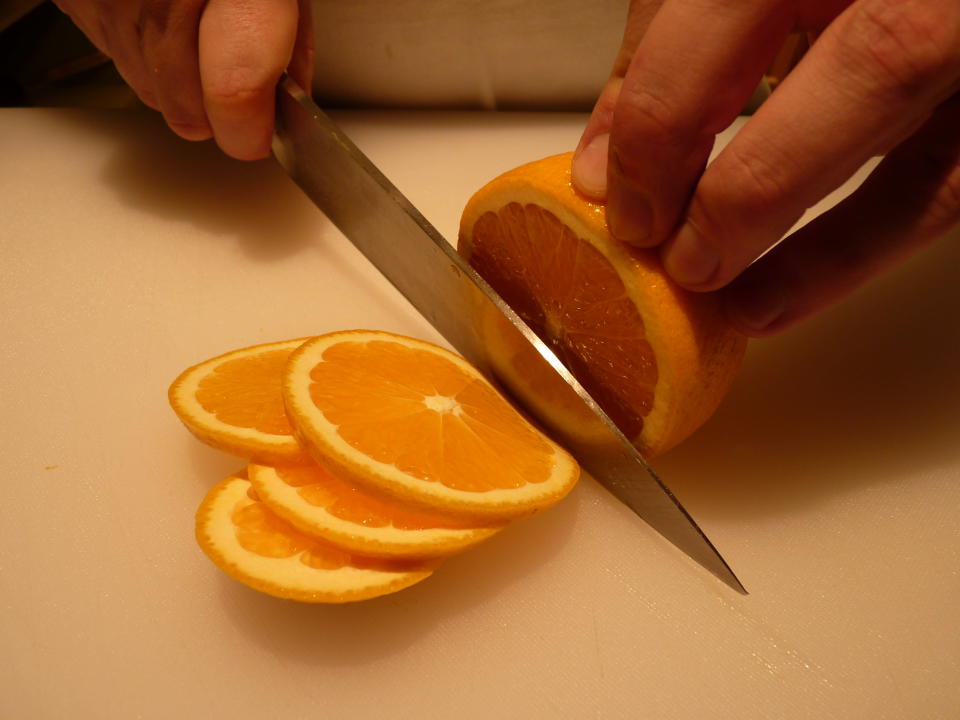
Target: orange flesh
573	298
421	413
246	392
261	532
319	487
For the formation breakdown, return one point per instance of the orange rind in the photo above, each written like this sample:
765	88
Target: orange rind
248	542
320	504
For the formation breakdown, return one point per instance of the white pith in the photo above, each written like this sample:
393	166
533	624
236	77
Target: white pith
274	491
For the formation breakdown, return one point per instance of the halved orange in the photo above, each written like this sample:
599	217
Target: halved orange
233	403
657	358
244	538
415	421
318	503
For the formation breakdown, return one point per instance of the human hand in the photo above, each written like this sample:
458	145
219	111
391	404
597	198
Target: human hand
882	77
210	66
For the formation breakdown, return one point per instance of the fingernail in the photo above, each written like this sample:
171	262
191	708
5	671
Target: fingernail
689	258
754	306
629	214
589	168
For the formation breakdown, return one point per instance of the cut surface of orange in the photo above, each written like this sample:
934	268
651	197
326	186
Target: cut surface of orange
416	421
657	358
246	540
233	402
317	502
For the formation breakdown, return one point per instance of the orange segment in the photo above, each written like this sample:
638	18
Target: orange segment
244	538
317	502
258	406
565	288
411	419
656	358
233	402
386	398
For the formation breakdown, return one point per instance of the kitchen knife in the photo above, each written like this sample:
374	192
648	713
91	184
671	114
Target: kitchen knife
436	280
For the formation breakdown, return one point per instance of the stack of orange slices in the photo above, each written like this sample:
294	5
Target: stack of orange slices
372	457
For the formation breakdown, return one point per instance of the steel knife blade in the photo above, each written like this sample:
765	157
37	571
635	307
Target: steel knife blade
369	210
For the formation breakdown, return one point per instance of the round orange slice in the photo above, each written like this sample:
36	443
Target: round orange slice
413	420
233	403
657	358
319	503
247	541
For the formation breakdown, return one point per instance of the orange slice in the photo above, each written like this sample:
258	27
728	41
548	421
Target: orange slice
233	403
247	541
413	420
318	503
657	358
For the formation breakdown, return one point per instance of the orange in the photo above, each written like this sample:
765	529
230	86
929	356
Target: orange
657	358
247	541
412	420
318	503
233	403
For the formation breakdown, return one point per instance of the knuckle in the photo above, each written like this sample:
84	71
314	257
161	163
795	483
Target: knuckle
752	181
649	114
905	46
236	89
645	125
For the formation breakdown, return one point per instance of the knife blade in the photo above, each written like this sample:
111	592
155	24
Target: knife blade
372	213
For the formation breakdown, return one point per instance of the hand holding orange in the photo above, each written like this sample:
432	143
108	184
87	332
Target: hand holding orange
657	358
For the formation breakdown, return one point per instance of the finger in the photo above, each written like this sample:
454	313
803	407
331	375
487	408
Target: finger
589	168
244	47
115	31
125	48
910	200
873	76
170	41
301	63
692	72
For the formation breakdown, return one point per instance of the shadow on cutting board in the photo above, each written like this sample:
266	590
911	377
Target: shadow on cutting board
357	633
157	172
865	394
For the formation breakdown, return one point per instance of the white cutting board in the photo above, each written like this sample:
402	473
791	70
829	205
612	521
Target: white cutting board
830	478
